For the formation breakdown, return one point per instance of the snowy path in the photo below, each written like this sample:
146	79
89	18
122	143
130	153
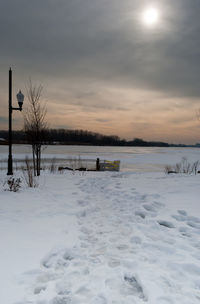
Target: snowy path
124	245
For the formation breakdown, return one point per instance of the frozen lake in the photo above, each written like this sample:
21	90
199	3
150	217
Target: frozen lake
140	159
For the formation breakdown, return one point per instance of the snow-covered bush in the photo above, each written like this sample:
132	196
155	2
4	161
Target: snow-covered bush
168	169
13	184
183	167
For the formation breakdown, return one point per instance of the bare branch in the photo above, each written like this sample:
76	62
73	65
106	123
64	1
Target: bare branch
34	121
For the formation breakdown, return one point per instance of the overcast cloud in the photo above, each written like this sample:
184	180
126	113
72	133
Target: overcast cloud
97	54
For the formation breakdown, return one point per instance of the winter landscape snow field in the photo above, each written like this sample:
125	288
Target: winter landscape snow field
102	237
140	159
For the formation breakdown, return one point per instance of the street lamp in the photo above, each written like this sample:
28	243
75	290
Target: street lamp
20	99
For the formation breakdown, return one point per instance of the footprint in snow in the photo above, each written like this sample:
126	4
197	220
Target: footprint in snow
122	247
49	260
179	218
166	224
158	204
113	263
82	203
62	300
134	287
182	212
88	238
54	261
184	231
141	214
149	208
193	224
143	197
86	230
39	289
136	240
58	259
194	219
83	290
69	255
63	287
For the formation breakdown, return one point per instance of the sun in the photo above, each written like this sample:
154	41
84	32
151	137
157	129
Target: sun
150	16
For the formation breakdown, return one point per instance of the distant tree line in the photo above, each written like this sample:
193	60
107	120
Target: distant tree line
80	137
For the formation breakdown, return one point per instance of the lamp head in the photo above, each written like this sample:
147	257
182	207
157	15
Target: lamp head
20	99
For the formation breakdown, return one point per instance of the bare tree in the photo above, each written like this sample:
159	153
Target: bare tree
35	124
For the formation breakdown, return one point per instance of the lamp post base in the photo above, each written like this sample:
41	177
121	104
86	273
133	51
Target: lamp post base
10	167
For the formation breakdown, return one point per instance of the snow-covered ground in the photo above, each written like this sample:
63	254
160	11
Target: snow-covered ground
101	238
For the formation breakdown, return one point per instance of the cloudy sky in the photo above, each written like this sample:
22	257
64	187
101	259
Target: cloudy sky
103	68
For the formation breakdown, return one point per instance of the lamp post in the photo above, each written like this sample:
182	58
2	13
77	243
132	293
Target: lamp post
20	99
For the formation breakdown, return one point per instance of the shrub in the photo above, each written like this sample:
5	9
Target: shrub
53	166
28	173
75	163
14	184
183	167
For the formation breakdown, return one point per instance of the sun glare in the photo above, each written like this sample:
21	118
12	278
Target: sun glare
150	16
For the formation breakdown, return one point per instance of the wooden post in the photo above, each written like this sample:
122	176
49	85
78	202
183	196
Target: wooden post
98	164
